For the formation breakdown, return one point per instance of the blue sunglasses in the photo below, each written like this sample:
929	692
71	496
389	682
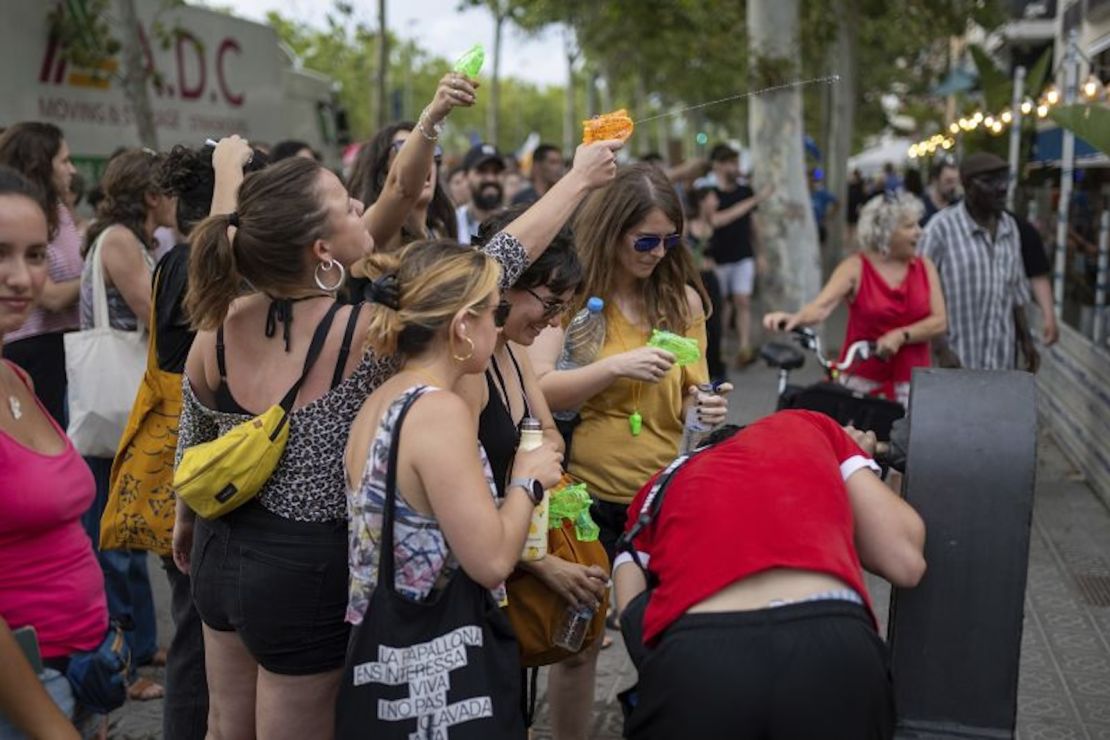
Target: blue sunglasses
438	152
648	242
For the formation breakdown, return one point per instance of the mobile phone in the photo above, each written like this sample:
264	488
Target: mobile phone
28	641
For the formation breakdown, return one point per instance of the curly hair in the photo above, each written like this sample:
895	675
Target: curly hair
188	174
130	176
881	215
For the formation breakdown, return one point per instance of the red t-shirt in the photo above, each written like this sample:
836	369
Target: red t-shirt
772	496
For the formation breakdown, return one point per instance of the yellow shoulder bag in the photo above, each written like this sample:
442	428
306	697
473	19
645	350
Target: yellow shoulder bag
217	477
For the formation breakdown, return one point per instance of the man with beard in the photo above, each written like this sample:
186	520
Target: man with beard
483	167
976	247
943	190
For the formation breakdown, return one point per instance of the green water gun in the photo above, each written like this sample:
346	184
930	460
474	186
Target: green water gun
573	502
470	63
684	349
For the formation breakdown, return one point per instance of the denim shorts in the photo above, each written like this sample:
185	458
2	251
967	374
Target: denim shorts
281	585
57	686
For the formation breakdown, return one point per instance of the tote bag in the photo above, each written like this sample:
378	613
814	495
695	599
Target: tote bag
141	509
445	668
104	367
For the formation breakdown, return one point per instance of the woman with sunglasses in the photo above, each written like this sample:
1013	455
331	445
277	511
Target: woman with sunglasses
633	398
501	400
397	173
894	298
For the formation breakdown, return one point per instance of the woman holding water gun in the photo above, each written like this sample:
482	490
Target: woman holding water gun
633	397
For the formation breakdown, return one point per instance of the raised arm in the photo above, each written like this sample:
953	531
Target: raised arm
595	165
841	284
228	159
409	171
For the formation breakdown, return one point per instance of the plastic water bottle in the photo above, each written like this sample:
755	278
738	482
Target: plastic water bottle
572	630
694	427
584	338
535	546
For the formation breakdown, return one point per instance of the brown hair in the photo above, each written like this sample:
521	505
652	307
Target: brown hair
435	280
281	213
29	148
603	223
129	178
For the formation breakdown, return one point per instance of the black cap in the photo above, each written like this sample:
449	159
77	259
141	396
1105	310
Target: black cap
481	154
980	163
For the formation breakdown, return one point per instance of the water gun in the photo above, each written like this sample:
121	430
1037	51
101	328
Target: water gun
615	125
470	63
684	349
572	501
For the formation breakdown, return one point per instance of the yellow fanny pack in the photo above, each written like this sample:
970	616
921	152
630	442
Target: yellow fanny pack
217	477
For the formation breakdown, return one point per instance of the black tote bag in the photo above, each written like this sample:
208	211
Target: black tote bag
446	669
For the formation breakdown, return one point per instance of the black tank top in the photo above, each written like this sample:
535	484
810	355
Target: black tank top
497	431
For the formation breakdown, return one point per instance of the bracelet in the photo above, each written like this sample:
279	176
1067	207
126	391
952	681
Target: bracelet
438	128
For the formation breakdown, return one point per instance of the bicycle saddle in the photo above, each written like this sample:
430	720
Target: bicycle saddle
783	356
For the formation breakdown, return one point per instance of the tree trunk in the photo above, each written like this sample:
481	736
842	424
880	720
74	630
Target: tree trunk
787	230
841	124
570	129
493	123
383	66
135	86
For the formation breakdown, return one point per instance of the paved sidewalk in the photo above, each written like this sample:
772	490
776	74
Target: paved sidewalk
1065	667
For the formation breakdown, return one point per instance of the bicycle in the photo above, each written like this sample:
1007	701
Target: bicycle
829	397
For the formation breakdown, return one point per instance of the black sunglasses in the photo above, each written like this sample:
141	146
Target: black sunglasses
552	307
398	143
648	242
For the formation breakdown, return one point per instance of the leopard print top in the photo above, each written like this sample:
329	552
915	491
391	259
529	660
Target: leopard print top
308	483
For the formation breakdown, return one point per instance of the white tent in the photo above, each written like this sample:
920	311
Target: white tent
870	161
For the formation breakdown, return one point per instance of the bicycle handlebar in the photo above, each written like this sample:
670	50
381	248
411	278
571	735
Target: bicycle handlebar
860	350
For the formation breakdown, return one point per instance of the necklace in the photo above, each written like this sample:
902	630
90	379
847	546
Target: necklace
16	407
635	420
423	373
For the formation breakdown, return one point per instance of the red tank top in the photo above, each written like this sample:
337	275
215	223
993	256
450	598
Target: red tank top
878	308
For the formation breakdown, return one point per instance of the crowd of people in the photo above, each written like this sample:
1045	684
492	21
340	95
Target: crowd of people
405	325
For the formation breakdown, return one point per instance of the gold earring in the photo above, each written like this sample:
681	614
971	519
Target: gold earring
469	354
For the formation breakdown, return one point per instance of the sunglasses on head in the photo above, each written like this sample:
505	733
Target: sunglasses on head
648	242
398	143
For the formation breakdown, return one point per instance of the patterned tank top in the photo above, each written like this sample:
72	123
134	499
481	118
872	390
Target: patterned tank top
120	315
423	559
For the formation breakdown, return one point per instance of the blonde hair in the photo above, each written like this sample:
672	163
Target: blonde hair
604	221
880	217
435	280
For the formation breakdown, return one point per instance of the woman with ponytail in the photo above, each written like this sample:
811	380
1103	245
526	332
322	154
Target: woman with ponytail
434	306
270	579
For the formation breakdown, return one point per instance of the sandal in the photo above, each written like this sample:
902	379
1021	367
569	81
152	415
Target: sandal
606	642
144	689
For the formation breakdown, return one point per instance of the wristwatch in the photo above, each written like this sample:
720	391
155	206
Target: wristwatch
531	486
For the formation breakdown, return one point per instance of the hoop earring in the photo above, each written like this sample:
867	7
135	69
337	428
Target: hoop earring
328	265
458	358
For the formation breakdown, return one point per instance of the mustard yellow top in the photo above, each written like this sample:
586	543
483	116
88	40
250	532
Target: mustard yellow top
613	463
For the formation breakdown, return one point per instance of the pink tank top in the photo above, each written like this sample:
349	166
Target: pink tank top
878	308
49	576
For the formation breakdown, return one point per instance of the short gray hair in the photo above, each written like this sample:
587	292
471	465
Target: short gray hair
881	215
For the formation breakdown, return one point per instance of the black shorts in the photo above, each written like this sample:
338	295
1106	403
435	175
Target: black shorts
814	670
280	584
610	519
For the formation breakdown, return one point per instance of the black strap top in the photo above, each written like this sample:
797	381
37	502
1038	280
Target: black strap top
497	431
226	402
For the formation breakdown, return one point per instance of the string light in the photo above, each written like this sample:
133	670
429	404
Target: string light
1042	111
1007	117
954	128
1026	106
1092	87
1051	95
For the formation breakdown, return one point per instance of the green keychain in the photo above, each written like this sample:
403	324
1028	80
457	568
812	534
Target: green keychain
636	423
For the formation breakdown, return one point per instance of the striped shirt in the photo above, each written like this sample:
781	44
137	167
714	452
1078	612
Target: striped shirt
64	263
983	280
